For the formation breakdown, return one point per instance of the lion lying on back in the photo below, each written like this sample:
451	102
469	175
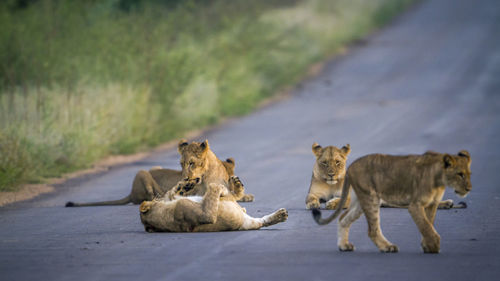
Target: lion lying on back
416	182
212	212
328	178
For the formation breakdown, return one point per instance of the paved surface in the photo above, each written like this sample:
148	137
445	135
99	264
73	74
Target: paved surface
429	81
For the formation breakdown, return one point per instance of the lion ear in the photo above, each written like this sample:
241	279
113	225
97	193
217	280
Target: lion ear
145	206
204	146
317	149
182	144
448	161
464	153
346	149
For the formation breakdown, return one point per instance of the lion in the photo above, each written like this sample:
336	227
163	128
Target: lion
200	167
148	185
203	214
328	178
416	182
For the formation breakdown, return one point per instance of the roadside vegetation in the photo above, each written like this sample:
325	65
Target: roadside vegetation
80	80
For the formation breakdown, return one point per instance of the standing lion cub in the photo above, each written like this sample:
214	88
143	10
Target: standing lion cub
413	181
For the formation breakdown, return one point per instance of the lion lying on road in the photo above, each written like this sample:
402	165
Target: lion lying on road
203	214
148	185
416	182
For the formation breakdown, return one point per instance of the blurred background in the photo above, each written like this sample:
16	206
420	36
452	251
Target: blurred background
84	79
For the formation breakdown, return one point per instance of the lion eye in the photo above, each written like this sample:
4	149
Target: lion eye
191	164
324	163
462	175
337	163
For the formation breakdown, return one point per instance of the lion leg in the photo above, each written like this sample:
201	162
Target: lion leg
250	223
236	187
371	208
430	238
446	204
332	203
312	201
204	212
430	212
344	224
247	198
145	182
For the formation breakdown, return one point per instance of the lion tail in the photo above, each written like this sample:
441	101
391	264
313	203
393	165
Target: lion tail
343	198
122	201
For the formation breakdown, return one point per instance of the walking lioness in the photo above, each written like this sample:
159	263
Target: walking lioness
203	214
413	181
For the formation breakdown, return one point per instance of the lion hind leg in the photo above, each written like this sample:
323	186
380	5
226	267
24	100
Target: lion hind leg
144	180
250	223
371	209
344	224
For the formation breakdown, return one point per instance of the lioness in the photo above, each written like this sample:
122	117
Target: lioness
413	181
203	214
328	178
150	184
200	167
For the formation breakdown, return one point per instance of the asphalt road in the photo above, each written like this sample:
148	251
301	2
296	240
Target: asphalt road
429	81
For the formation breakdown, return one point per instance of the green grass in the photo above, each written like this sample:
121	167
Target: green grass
80	80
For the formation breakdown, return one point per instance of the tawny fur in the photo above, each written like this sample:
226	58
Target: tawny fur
200	167
416	182
151	184
209	213
327	176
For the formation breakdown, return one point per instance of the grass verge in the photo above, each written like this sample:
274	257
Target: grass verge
80	80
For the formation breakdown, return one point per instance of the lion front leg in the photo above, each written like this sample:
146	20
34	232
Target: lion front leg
204	212
312	202
332	203
430	238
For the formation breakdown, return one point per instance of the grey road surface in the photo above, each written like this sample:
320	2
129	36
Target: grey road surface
429	81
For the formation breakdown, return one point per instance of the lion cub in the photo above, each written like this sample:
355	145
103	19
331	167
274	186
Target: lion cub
328	176
203	214
413	181
200	167
148	185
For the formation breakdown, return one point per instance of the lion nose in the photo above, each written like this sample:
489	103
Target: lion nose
468	188
331	174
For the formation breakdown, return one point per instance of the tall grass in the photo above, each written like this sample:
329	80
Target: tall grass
80	80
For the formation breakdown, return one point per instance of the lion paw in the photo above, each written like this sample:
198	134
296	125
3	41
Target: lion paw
390	249
185	188
247	198
332	204
347	247
235	181
312	205
430	248
281	215
447	204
